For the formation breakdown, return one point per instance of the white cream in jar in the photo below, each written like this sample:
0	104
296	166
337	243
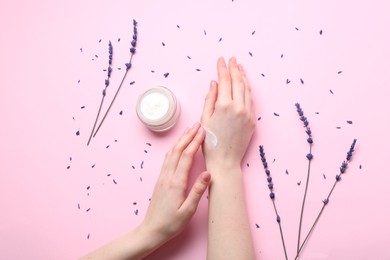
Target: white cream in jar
158	109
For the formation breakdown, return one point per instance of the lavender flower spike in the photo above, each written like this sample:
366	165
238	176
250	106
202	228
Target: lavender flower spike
272	193
106	84
128	67
309	156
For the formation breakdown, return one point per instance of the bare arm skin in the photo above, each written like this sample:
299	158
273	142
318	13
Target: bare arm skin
228	113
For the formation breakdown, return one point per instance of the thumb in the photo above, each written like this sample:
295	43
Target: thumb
191	203
209	103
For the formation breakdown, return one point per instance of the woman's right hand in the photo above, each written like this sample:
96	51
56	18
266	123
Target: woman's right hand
228	117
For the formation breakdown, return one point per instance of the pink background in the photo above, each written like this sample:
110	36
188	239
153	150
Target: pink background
40	112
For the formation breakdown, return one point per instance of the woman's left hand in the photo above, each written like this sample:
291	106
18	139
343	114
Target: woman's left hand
171	209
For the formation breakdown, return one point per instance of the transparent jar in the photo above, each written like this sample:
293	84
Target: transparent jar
158	109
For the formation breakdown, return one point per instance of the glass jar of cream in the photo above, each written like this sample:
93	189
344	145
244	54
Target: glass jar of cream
158	109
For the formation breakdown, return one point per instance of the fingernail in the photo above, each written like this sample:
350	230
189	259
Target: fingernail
206	176
196	125
233	60
187	129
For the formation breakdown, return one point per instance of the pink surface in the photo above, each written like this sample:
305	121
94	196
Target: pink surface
40	111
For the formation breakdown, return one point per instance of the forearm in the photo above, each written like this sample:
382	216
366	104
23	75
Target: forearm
136	244
229	232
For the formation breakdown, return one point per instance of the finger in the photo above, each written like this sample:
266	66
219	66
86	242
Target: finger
173	155
224	81
238	84
209	103
248	91
190	205
187	157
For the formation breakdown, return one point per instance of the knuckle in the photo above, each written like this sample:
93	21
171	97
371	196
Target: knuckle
199	188
187	153
223	106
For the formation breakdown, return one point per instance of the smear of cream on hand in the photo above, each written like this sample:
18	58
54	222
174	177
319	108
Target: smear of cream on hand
211	139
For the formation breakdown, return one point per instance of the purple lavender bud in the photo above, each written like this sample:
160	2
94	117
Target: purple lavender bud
272	195
349	155
135	22
135	31
306	123
104	92
269	179
278	218
343	167
338	177
265	164
326	201
133	43
128	66
270	186
261	149
309	156
310	140
308	131
267	172
344	164
132	50
134	37
109	70
303	118
107	82
110	49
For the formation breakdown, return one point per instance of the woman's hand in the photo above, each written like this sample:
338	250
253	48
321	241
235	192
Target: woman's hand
228	117
170	208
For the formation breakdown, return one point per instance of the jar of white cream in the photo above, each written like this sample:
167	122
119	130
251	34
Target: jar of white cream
158	109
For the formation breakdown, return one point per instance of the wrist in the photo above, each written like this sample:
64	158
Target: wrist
153	237
144	240
225	168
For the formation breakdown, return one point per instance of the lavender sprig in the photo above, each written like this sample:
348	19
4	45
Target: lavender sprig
309	157
343	168
272	194
106	83
128	67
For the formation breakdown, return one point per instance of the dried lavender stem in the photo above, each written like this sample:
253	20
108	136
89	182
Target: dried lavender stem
272	194
316	220
112	102
128	66
97	117
281	231
303	202
343	168
107	83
